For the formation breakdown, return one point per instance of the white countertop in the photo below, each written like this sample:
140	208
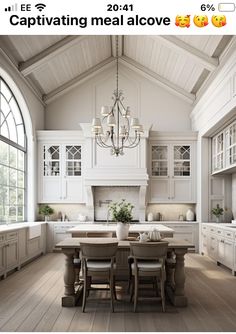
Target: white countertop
18	226
136	228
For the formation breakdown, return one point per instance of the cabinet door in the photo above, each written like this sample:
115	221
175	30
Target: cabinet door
22	244
51	190
2	259
160	191
33	247
181	190
73	190
160	160
212	248
220	250
229	254
12	257
204	243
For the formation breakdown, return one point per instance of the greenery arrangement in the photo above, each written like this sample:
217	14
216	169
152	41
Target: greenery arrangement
45	210
121	211
217	211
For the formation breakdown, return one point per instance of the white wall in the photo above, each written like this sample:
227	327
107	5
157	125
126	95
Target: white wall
153	104
234	195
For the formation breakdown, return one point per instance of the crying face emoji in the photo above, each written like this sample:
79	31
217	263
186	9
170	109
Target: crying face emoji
182	21
200	21
218	21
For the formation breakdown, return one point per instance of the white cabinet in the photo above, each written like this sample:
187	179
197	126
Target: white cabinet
219	243
224	150
60	168
185	231
57	232
172	173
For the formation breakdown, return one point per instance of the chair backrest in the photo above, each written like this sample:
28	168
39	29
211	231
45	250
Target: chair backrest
148	250
98	251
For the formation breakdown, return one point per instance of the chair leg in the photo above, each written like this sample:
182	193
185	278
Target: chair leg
84	291
114	288
163	296
131	288
135	291
112	291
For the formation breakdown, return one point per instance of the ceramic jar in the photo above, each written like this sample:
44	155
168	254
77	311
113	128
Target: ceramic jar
190	215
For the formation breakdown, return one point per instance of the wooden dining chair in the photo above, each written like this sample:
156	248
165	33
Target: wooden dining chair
98	260
148	261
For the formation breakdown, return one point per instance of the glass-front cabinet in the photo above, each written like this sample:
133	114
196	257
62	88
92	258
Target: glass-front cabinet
224	149
171	174
60	174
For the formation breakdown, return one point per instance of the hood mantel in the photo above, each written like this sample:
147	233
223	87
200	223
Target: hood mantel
103	169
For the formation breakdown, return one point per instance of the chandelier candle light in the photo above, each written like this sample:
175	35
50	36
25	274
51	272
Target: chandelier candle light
116	120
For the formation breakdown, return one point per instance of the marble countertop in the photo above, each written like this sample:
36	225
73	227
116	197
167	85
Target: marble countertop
136	228
18	226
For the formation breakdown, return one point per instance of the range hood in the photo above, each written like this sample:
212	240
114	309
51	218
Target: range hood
103	169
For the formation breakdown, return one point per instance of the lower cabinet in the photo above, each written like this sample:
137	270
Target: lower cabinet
187	232
218	243
16	248
9	252
57	232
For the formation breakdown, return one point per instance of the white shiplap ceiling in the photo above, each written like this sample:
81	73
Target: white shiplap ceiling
55	64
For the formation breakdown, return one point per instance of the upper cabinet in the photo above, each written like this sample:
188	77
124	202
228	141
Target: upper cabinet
172	172
224	150
60	169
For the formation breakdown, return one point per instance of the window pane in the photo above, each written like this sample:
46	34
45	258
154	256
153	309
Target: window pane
4	131
5	108
12	127
13	157
13	177
21	135
20	213
16	111
4	197
12	196
20	160
4	175
20	181
5	90
4	150
20	196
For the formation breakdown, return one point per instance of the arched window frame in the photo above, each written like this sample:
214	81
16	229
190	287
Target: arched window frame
14	167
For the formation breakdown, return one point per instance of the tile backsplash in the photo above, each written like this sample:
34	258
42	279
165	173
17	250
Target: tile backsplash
169	211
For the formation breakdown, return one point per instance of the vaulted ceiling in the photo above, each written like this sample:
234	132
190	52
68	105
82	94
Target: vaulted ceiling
52	65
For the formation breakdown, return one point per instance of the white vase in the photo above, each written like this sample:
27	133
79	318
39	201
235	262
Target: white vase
218	219
122	231
190	215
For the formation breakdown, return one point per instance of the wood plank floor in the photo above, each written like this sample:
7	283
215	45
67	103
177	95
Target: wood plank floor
30	300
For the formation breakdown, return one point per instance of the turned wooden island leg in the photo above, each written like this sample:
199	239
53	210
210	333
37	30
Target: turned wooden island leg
177	293
70	295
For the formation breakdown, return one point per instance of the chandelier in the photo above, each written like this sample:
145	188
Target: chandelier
113	130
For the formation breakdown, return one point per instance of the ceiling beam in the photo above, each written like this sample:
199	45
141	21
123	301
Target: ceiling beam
43	57
79	80
210	63
120	46
150	75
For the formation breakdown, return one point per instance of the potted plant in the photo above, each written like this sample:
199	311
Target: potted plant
217	212
46	210
121	213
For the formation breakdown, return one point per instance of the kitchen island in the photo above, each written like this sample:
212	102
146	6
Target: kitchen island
175	269
82	229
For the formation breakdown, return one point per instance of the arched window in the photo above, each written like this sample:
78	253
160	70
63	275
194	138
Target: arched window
12	157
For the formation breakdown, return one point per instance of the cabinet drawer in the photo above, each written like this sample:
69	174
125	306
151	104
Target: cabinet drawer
2	238
11	235
229	234
211	229
219	232
182	229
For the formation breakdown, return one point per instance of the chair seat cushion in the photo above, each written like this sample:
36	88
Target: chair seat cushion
147	265
99	265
